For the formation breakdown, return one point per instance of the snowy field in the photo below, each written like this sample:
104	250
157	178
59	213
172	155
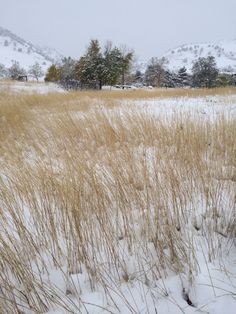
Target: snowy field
29	87
117	205
208	107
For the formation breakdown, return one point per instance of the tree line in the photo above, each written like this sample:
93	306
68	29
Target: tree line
204	73
16	71
95	68
113	66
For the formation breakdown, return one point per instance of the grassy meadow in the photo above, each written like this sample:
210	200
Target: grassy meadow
98	197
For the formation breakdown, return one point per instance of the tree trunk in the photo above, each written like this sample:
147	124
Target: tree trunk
100	85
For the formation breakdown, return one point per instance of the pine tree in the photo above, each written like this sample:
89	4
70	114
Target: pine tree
53	74
138	76
94	69
112	64
126	58
169	79
225	79
182	77
89	69
116	64
80	70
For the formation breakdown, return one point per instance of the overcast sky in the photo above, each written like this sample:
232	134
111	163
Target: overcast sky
150	27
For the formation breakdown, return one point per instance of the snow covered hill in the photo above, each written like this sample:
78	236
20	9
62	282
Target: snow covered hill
224	52
13	48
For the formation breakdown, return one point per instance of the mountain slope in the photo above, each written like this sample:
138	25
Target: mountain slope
224	52
14	48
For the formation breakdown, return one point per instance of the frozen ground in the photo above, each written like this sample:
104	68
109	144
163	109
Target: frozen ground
30	88
208	107
213	291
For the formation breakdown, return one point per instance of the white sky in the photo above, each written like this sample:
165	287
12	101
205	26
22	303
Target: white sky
150	27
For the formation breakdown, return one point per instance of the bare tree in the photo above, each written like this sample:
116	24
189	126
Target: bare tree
36	71
126	59
3	71
16	70
155	72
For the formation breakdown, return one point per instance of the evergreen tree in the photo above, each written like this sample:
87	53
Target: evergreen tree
225	79
80	71
112	64
205	72
89	70
53	74
138	76
182	77
126	58
169	79
94	69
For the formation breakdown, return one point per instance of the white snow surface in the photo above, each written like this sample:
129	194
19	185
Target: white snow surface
208	107
213	290
30	88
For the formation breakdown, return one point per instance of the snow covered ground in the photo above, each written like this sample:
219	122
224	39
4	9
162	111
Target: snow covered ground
213	288
212	291
208	107
28	87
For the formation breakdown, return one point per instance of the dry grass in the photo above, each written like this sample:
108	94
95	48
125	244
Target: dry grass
164	93
153	93
84	187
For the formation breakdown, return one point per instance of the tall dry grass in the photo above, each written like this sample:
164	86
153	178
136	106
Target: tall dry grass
153	93
88	188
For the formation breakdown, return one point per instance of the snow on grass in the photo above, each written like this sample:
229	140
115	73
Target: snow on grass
209	107
28	87
117	207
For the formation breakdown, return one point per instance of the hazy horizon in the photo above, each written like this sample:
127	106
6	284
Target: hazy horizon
150	28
